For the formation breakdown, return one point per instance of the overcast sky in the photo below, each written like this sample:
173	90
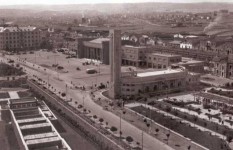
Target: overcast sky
47	2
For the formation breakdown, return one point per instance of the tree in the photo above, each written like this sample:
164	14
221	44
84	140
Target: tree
229	139
129	139
157	131
168	135
227	84
101	120
63	94
113	129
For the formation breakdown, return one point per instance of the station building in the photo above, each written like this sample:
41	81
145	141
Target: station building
20	38
97	49
157	82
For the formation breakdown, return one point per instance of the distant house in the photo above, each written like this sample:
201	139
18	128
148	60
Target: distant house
186	45
174	44
178	36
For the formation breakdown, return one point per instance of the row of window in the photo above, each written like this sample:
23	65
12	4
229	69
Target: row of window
23	105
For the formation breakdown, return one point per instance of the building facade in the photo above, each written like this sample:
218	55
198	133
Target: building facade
134	56
161	60
157	82
97	49
19	38
223	66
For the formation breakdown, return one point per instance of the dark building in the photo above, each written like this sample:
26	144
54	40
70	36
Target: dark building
97	49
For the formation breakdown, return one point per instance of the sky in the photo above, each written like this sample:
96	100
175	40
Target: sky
55	2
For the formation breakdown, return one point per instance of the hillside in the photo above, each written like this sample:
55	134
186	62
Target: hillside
222	25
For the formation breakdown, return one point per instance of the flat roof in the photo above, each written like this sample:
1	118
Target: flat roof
30	126
30	120
40	136
131	46
24	100
164	54
44	140
160	72
99	40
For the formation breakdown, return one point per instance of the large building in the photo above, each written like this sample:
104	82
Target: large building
143	56
19	38
97	49
33	127
135	83
223	66
157	82
161	60
134	55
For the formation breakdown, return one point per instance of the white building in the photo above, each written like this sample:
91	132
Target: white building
158	82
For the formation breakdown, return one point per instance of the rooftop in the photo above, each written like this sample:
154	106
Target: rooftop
40	136
30	120
164	54
17	29
155	73
131	46
30	126
43	140
99	40
175	42
24	100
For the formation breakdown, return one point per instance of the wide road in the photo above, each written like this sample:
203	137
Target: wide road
149	143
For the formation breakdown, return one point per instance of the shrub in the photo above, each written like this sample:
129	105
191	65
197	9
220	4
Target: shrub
94	116
60	67
63	94
101	120
113	129
129	139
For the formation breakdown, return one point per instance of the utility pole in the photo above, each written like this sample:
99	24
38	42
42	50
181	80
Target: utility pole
66	92
142	139
120	125
48	80
83	100
35	58
150	121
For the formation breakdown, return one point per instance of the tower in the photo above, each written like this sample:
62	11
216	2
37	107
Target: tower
115	64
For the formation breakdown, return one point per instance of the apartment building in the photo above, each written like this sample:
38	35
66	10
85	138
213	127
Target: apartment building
19	38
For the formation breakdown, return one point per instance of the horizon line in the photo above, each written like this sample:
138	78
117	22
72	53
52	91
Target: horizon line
112	3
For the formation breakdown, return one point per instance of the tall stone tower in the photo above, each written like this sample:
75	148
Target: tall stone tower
115	64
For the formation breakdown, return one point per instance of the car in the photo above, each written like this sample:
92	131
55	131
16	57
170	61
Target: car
91	71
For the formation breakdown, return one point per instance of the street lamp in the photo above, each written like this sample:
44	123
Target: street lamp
66	91
142	139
